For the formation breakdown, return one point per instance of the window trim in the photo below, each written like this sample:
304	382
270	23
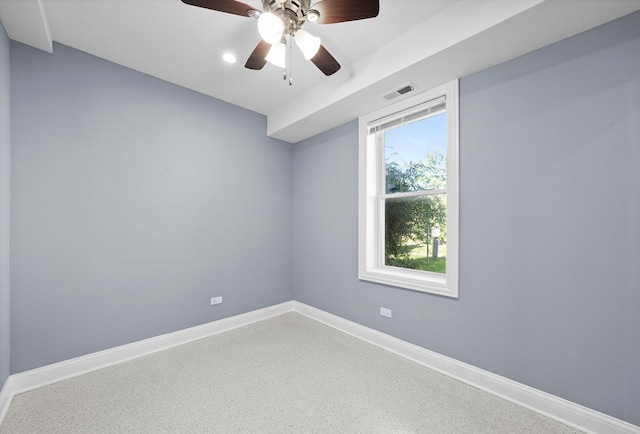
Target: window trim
370	229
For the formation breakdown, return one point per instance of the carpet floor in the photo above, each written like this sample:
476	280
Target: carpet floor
287	374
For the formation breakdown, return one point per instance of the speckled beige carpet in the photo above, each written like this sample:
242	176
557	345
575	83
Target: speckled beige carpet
287	374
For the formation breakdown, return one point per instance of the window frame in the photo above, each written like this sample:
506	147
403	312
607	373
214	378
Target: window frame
371	265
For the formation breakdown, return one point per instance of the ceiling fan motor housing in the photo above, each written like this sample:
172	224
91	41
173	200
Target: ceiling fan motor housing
292	12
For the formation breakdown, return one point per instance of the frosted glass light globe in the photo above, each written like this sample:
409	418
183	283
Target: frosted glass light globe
277	55
270	27
309	44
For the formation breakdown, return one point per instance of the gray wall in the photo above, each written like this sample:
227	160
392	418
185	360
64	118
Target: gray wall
5	193
550	227
133	202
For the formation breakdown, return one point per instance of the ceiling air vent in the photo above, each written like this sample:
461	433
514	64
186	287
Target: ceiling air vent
399	92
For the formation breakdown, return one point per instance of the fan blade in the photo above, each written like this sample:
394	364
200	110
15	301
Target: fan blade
256	60
325	61
228	6
338	11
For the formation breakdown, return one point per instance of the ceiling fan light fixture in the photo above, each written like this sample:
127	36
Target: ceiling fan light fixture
277	55
308	44
282	18
270	27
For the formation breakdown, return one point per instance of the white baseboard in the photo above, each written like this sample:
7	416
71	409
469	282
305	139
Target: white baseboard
5	398
569	413
39	377
577	416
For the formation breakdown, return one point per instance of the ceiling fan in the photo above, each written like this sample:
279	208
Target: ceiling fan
280	19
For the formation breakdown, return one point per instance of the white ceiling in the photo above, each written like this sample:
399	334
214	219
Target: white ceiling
425	42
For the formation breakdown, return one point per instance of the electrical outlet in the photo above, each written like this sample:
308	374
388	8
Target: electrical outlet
216	300
385	312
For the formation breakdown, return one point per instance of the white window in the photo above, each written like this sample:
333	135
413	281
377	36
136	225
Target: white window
408	204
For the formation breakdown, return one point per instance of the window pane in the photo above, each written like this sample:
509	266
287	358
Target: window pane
416	232
415	155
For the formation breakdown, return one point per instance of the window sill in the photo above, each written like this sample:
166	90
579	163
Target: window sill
433	283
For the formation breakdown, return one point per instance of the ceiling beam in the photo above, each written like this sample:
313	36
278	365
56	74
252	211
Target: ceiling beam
465	38
26	21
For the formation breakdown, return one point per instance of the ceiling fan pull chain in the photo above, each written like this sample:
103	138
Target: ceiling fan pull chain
286	60
284	73
290	59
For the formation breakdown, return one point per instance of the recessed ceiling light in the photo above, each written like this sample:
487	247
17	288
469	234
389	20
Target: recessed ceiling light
229	58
